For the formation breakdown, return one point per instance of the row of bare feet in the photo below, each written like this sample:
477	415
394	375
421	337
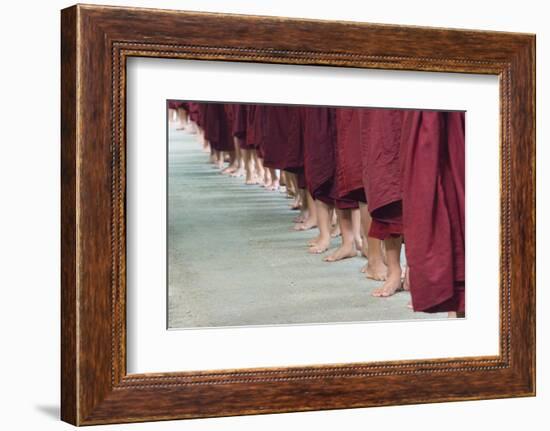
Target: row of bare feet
250	167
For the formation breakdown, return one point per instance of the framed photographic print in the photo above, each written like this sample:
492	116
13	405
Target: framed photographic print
263	214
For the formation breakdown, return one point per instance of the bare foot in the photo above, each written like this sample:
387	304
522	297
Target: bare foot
274	186
252	179
375	270
314	241
343	252
238	173
296	204
229	170
390	287
306	225
335	231
320	246
300	218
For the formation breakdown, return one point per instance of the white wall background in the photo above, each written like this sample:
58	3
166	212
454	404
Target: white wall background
29	215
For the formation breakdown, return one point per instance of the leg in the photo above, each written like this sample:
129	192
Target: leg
335	225
311	220
323	221
393	279
258	166
248	168
347	248
180	115
274	183
172	113
356	228
239	159
372	248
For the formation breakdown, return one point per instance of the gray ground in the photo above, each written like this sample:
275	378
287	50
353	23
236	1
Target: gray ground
234	259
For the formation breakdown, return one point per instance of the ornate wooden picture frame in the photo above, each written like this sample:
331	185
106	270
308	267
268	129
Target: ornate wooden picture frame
96	41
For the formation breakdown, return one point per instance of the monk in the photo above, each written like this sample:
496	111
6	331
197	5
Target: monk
319	135
217	132
253	142
433	182
235	155
282	145
380	148
347	184
238	128
178	112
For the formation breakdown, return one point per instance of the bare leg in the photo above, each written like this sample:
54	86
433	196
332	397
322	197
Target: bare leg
235	158
248	168
293	191
375	268
267	176
302	217
259	167
347	248
393	279
323	221
220	159
274	183
311	221
356	227
181	117
206	147
172	115
335	225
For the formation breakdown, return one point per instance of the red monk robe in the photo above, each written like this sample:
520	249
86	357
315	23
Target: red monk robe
217	128
433	178
380	143
348	183
253	127
239	123
201	117
194	111
282	143
319	135
175	104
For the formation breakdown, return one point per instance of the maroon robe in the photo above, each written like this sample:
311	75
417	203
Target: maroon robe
319	135
380	145
433	178
201	114
193	111
175	104
238	126
348	174
282	141
253	127
217	128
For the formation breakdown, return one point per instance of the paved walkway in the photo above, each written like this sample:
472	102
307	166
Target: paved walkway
234	259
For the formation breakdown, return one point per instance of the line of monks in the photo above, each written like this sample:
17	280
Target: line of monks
378	178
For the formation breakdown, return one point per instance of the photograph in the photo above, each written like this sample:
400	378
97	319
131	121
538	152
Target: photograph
286	214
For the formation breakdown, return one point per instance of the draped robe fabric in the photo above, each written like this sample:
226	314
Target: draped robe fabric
175	104
380	147
348	173
239	122
253	127
282	140
193	111
433	180
319	135
217	127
